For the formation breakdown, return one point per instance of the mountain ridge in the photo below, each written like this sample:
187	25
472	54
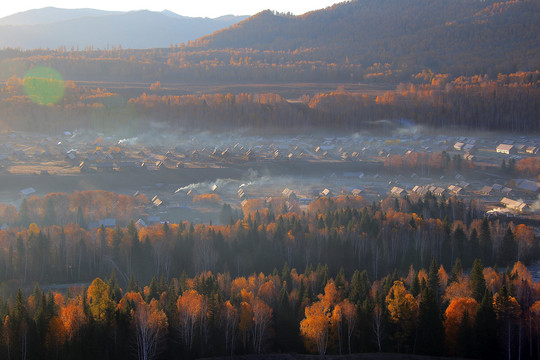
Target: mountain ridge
81	28
49	15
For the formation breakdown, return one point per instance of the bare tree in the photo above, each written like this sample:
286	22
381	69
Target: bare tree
378	325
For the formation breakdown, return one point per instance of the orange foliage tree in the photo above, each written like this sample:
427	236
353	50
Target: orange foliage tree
460	309
320	323
191	308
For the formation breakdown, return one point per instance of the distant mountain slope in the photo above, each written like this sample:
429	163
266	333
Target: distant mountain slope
50	15
85	27
439	34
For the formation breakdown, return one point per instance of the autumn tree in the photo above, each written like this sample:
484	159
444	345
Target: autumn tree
262	316
229	320
349	314
459	317
320	323
73	317
98	299
149	325
191	311
245	322
403	312
56	335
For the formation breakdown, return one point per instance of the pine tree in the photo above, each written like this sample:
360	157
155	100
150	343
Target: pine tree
486	245
457	271
465	337
459	242
287	339
430	327
81	221
115	294
23	219
20	321
508	250
42	316
473	249
153	290
434	283
486	328
415	287
359	288
132	285
49	216
477	280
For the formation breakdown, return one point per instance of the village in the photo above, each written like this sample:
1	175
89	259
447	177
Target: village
176	171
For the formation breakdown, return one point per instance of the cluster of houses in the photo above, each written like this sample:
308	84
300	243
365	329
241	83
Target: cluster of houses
495	189
459	189
423	190
107	166
509	148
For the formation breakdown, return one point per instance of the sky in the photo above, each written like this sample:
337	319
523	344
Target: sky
195	8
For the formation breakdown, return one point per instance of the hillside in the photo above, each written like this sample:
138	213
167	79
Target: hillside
81	28
450	36
49	15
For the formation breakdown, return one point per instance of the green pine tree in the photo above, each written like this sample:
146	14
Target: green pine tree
430	326
477	280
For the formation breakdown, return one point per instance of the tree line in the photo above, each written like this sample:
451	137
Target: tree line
339	232
486	313
79	207
509	103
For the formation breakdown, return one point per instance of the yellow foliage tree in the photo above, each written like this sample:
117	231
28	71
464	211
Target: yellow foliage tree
98	299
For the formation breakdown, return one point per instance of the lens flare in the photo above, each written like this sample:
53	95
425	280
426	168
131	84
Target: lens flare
44	85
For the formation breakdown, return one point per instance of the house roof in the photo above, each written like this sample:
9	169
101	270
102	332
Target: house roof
529	185
28	191
518	205
487	189
326	192
505	147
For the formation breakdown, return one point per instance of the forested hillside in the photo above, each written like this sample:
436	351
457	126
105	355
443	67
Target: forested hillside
457	37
